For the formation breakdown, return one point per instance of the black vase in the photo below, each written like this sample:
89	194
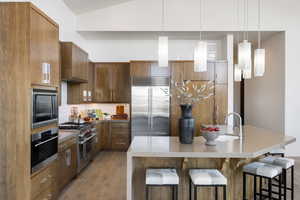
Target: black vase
186	124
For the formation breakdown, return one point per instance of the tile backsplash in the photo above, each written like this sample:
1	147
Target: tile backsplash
65	109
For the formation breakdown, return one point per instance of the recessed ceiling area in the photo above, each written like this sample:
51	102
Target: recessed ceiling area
79	6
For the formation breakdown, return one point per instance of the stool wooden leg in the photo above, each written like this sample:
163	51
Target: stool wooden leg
270	188
254	186
244	186
224	193
260	188
216	193
147	192
292	183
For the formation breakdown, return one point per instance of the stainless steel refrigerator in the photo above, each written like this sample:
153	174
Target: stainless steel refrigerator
150	106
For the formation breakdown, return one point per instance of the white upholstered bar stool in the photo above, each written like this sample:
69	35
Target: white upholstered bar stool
207	178
166	177
286	164
262	171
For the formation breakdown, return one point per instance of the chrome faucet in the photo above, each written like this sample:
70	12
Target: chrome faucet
240	119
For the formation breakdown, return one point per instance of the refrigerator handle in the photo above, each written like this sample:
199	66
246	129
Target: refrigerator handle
151	106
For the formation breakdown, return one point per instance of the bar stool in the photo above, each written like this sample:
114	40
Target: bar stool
286	164
162	178
207	178
262	171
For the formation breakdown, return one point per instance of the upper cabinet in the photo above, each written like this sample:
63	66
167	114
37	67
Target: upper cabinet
44	49
146	69
74	63
112	83
82	93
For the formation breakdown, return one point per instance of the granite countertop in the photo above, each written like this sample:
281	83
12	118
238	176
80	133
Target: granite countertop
255	142
66	135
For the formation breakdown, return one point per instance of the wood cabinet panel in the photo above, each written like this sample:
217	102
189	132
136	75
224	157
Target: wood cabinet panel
102	87
105	136
140	69
189	73
67	162
74	63
44	48
221	103
112	83
121	82
43	180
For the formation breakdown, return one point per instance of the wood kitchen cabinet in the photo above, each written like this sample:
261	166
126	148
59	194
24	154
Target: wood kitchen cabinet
44	183
74	63
115	135
84	92
112	83
147	69
67	162
97	144
44	48
212	110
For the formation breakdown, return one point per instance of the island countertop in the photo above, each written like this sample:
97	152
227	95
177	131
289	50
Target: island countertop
255	142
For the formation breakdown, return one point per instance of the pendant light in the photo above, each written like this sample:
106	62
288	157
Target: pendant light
163	43
244	48
200	51
237	73
259	54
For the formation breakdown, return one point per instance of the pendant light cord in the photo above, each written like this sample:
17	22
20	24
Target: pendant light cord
163	16
200	20
259	23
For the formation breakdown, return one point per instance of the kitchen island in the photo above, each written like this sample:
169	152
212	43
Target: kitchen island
229	156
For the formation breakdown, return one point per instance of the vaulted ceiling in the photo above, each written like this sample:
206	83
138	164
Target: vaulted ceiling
81	6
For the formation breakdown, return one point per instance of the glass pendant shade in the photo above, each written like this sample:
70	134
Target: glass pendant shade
259	62
163	51
247	73
200	57
244	55
237	73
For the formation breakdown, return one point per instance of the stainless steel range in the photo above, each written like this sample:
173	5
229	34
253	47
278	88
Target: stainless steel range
86	140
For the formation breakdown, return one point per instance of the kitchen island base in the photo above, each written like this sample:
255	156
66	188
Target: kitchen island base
230	167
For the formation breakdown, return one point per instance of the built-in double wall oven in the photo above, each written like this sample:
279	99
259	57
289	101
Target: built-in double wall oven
44	148
44	144
44	107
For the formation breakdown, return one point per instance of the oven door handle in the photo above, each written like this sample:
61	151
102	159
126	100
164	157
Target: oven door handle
87	139
45	141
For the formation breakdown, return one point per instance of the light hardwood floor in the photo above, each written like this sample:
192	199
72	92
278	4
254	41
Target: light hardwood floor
105	179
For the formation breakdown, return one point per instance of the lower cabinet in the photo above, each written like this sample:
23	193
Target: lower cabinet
44	183
67	162
97	143
115	135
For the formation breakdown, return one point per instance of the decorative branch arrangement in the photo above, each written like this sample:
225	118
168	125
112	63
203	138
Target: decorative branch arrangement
188	92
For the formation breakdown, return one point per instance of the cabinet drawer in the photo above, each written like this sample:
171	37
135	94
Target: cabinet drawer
43	180
116	125
120	143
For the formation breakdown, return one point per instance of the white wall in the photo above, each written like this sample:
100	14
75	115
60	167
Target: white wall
62	15
264	96
217	15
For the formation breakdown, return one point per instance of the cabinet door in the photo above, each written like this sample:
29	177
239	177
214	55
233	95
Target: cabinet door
44	48
87	89
221	104
120	134
140	69
102	86
67	165
105	138
121	82
189	73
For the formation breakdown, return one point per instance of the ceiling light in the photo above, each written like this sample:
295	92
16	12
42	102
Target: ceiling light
200	51
237	73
